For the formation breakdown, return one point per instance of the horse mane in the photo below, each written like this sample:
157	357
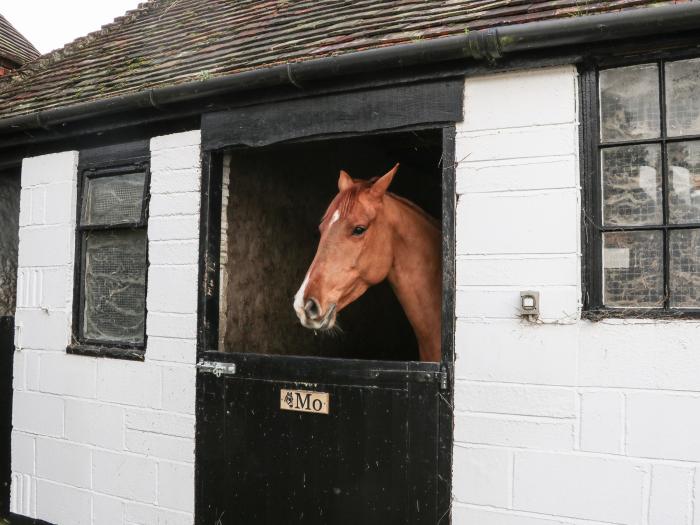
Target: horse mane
346	200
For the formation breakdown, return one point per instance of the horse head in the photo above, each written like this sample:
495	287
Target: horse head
354	252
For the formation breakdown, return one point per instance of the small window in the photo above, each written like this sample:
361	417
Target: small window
644	204
113	257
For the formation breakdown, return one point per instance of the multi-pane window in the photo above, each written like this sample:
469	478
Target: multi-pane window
647	212
113	244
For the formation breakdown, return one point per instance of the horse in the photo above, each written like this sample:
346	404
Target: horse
368	235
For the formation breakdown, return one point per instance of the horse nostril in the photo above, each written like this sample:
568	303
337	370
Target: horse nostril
312	309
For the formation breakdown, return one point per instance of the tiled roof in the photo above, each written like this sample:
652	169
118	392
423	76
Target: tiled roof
166	42
13	46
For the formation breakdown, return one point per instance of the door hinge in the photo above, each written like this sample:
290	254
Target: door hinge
218	369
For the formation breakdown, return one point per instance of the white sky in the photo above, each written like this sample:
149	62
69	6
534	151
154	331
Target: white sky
50	24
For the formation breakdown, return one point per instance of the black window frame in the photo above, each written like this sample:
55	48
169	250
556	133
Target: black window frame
591	177
107	162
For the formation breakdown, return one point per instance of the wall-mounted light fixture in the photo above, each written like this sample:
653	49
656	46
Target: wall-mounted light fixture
530	305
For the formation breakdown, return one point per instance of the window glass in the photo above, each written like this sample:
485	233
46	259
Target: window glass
632	185
685	268
684	182
683	97
633	269
113	200
629	103
115	285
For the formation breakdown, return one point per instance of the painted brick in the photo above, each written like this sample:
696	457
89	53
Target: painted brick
173	252
148	515
63	462
66	374
176	140
182	326
184	227
603	422
483	477
33	370
45	169
516	143
175	181
163	205
546	222
46	245
662	425
178	389
172	289
43	330
60	504
172	350
519	271
60	204
179	158
37	414
589	488
176	486
95	423
640	354
56	289
517	174
18	370
38	205
23	495
515	399
512	352
107	511
129	383
557	303
23	453
671	495
160	423
523	98
469	515
130	477
542	434
160	446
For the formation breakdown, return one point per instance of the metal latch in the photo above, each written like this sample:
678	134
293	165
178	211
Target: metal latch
218	369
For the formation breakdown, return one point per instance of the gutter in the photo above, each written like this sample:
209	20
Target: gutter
478	45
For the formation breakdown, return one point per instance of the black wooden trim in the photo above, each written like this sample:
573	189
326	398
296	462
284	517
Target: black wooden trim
114	159
446	405
18	519
356	112
7	350
106	350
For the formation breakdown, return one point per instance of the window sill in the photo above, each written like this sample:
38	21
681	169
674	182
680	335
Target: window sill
600	314
112	352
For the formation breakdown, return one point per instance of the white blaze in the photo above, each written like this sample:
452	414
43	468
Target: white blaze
299	297
334	218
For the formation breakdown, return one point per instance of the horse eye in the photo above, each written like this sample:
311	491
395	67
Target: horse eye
359	230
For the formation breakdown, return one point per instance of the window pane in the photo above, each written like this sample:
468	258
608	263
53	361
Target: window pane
683	97
629	103
115	199
115	286
632	185
684	182
632	266
685	268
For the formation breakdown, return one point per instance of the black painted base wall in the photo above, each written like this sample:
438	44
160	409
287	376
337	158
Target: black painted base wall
6	354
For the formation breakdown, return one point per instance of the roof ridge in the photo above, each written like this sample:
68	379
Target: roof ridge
52	57
21	49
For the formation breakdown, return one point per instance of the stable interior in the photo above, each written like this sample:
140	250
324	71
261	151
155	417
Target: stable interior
273	200
9	231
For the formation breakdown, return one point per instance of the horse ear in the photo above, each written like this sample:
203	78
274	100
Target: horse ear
344	181
379	188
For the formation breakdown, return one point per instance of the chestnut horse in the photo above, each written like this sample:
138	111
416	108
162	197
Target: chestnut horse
368	235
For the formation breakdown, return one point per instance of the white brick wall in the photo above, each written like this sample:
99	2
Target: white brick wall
563	422
105	441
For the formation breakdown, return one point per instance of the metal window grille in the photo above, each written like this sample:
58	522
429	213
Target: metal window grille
643	215
113	246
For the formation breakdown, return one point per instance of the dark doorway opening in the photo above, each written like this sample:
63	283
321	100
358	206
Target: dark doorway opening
274	198
9	230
